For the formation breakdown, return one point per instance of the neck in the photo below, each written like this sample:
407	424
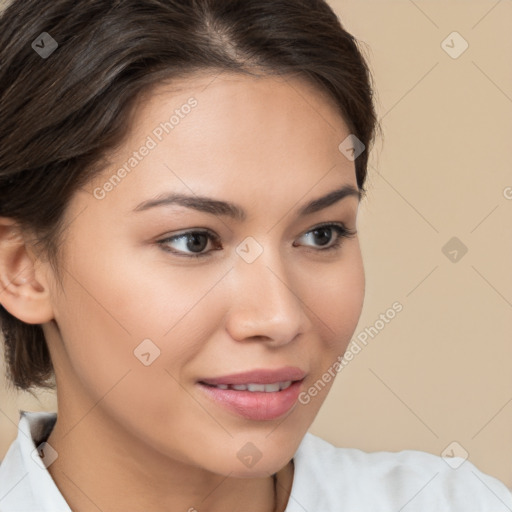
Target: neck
97	463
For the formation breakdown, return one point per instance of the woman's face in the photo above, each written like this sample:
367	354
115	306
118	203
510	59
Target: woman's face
145	315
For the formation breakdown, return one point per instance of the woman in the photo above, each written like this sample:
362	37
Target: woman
130	132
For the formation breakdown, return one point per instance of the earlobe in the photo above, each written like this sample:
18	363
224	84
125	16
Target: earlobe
24	292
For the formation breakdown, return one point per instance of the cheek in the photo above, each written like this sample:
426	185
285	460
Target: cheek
111	307
335	297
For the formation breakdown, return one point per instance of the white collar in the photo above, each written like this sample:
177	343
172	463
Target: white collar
25	483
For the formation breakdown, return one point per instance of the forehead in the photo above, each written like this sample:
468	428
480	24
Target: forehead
207	131
238	109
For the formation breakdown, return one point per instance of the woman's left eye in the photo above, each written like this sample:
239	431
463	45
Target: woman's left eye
193	243
322	233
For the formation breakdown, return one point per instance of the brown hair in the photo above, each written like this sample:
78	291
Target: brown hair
60	115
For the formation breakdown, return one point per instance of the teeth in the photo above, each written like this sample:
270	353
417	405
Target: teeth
265	388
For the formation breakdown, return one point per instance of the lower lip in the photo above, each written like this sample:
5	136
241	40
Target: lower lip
256	405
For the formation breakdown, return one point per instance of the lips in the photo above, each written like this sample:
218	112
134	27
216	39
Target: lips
254	405
257	395
278	376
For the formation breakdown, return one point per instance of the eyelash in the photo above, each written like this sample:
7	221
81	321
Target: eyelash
339	228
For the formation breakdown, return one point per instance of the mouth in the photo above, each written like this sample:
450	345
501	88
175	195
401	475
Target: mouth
254	387
254	400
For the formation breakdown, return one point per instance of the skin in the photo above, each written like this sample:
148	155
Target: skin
269	146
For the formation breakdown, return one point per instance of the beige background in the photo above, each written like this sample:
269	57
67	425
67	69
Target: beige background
440	371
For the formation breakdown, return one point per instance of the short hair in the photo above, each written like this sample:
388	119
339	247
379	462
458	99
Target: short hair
60	115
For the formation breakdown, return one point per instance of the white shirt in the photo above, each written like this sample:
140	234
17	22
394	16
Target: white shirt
326	478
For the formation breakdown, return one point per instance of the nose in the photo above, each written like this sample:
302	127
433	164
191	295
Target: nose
265	304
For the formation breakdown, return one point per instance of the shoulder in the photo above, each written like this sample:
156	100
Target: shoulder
408	480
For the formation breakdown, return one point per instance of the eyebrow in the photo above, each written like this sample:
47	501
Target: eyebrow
225	208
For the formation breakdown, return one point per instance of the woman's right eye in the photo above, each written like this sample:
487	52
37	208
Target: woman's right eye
194	241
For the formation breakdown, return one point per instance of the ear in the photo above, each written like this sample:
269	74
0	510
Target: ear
24	291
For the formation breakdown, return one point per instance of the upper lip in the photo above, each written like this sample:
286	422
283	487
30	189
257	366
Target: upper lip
261	376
